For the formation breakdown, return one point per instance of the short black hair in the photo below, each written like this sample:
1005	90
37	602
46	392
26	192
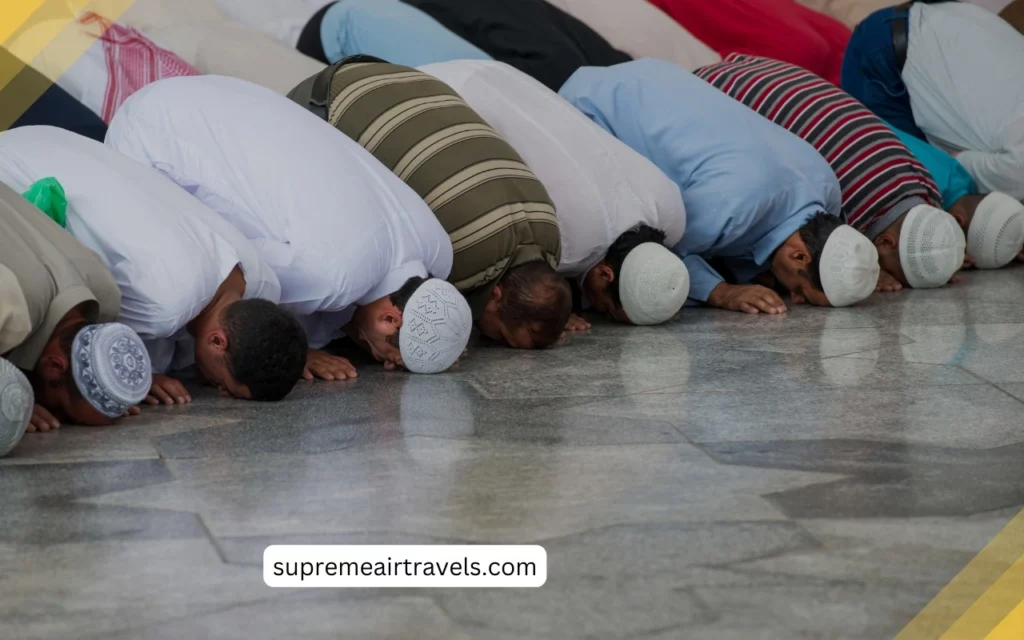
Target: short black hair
534	295
815	234
267	348
620	249
401	297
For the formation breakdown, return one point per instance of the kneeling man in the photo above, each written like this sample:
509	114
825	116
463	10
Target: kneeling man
83	367
499	216
759	200
887	194
354	248
191	285
616	210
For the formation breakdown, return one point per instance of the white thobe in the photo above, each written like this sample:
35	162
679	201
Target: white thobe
168	253
336	226
965	76
601	188
642	30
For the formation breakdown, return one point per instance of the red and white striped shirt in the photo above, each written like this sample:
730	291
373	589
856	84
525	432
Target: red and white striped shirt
880	178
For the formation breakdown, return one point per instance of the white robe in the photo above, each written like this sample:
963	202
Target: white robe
601	187
168	253
336	225
965	76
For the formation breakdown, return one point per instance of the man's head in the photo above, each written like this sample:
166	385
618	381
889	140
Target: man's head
252	349
90	374
528	307
923	248
826	263
424	326
994	225
639	281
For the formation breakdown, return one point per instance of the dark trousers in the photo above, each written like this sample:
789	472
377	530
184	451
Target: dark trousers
57	108
311	43
872	74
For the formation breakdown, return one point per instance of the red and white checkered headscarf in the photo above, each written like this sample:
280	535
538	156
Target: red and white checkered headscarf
133	61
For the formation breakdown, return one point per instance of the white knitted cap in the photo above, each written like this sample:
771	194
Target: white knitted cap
849	267
996	234
16	403
436	325
932	247
653	284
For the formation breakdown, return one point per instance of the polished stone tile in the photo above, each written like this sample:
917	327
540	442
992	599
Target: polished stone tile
482	492
41	504
973	415
886	479
991	351
313	616
96	589
130	439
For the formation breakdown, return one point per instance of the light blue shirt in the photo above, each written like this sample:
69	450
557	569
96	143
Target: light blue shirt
951	177
393	31
747	183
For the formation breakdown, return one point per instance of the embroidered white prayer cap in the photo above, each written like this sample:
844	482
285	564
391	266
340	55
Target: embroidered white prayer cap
436	324
932	247
996	234
111	367
16	403
848	267
653	284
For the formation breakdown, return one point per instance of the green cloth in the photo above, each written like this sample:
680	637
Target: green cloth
48	196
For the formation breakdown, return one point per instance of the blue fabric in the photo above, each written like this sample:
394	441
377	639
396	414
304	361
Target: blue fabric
747	183
951	177
872	75
393	31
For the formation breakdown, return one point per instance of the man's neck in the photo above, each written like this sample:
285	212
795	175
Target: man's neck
229	292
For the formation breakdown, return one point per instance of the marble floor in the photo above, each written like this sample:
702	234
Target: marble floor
818	475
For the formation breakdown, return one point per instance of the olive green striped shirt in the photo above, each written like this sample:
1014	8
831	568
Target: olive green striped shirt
495	210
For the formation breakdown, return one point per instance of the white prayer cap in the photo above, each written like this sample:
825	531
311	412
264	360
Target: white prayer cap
932	247
653	284
436	324
996	234
111	367
16	403
848	267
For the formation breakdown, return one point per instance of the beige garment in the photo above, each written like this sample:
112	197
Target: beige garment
849	12
56	274
641	30
14	321
235	50
151	14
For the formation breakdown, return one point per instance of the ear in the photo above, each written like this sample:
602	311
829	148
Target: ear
959	214
605	272
390	315
497	293
886	240
798	253
218	340
53	366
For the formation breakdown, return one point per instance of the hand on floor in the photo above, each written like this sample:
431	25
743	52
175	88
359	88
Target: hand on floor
576	323
886	282
165	390
323	365
42	421
748	298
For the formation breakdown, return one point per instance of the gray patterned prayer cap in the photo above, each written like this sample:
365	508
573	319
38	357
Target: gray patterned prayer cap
111	367
436	324
16	402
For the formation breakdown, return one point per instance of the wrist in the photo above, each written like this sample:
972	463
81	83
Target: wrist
717	296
